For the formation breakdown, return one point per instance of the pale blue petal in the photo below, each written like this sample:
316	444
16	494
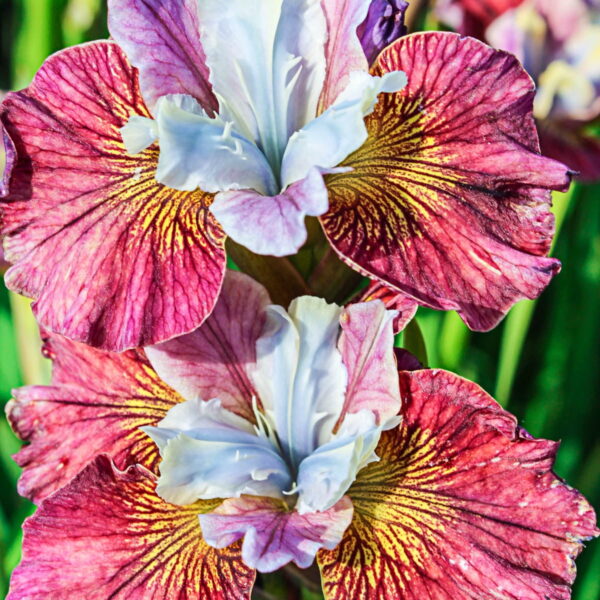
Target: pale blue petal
300	376
198	152
267	65
327	140
210	452
211	465
325	476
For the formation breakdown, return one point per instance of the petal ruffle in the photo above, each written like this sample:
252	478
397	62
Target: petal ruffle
462	505
367	347
162	39
448	200
112	258
214	360
273	535
393	300
343	50
108	535
96	404
383	26
272	224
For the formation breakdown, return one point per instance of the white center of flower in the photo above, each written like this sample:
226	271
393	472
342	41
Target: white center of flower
267	65
294	449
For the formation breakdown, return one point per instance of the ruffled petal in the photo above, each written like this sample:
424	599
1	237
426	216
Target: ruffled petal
162	40
299	374
96	403
214	360
261	56
448	200
343	50
462	504
404	305
272	225
273	535
327	140
383	26
217	462
367	347
112	258
108	535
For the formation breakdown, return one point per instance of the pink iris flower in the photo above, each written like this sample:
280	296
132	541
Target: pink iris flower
558	43
139	156
267	437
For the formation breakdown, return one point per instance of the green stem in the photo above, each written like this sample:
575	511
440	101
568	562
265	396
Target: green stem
278	275
414	342
34	367
519	319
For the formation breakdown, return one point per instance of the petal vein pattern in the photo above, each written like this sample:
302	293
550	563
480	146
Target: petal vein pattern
111	257
462	504
108	535
101	399
448	199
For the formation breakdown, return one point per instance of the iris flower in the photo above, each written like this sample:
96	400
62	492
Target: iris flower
281	436
558	43
201	120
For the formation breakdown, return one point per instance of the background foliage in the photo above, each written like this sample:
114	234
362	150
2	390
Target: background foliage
542	362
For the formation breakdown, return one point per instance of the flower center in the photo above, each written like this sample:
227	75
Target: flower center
292	449
267	65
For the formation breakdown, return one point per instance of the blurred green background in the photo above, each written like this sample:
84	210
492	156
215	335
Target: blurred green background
542	362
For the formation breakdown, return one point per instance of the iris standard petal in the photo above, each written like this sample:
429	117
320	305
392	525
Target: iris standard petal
327	140
300	376
7	161
160	38
214	361
383	25
270	76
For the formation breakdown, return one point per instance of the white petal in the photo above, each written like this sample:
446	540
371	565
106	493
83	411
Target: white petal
327	140
300	376
139	133
218	467
325	476
198	152
261	54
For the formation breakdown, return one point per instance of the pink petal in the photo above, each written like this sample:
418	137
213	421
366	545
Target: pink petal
96	404
449	199
213	361
343	51
272	224
162	39
108	535
367	347
393	300
274	535
462	505
112	258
